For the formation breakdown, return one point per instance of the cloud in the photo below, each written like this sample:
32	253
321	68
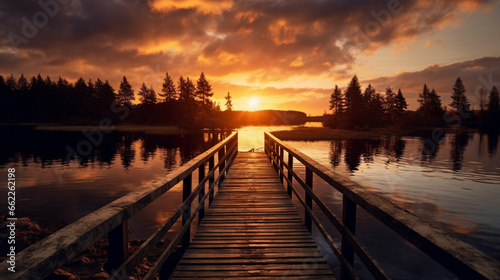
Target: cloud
476	74
262	41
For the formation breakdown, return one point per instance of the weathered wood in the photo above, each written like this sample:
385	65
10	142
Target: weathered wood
349	220
290	175
457	256
348	236
201	176
211	180
42	258
186	191
309	184
252	224
118	246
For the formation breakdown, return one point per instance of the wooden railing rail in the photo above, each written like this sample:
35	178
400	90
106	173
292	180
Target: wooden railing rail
458	257
42	258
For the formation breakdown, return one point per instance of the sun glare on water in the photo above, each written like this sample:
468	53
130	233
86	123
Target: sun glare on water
253	103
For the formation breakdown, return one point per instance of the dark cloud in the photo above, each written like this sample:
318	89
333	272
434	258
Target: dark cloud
264	40
482	73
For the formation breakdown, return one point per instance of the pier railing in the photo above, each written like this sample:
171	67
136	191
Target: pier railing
458	257
42	258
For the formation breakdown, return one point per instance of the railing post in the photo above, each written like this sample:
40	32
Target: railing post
290	176
349	220
309	183
201	176
211	164
281	164
223	164
118	246
186	191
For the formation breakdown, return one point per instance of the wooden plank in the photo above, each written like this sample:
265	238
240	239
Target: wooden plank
252	230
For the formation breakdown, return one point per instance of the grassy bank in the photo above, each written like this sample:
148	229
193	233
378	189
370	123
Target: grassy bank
164	130
323	133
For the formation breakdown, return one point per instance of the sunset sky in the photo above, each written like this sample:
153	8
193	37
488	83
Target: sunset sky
284	54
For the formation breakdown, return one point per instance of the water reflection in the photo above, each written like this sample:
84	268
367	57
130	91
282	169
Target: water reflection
62	189
51	147
458	144
354	152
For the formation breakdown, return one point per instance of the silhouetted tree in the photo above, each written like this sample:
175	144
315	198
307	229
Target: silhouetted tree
203	89
390	105
354	104
147	95
190	89
336	101
11	83
494	105
152	95
23	85
430	110
401	104
125	93
104	92
229	102
459	100
168	89
374	111
186	90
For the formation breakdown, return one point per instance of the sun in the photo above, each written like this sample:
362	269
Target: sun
253	102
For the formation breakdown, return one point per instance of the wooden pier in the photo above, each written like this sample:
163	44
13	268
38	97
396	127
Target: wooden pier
248	226
252	229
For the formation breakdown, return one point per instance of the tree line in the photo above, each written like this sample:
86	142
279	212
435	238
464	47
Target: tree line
86	102
354	108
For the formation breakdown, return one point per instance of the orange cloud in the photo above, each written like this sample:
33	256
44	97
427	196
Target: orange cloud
206	7
282	33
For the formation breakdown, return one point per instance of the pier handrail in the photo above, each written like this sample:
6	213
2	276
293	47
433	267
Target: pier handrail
44	257
457	256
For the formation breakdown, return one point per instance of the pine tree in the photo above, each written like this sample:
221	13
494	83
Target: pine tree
354	103
430	110
459	100
229	102
152	96
203	89
390	103
168	89
336	101
423	98
125	93
494	101
11	83
143	94
373	103
186	90
401	104
191	89
22	84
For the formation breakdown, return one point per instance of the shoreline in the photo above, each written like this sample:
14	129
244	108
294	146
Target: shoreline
325	134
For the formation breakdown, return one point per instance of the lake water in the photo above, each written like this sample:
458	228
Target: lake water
456	187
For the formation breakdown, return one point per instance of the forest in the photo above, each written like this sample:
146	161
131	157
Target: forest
184	104
355	108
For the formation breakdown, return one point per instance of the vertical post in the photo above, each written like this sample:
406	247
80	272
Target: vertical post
118	246
201	176
222	165
281	164
186	191
275	156
211	164
290	176
309	183
349	220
